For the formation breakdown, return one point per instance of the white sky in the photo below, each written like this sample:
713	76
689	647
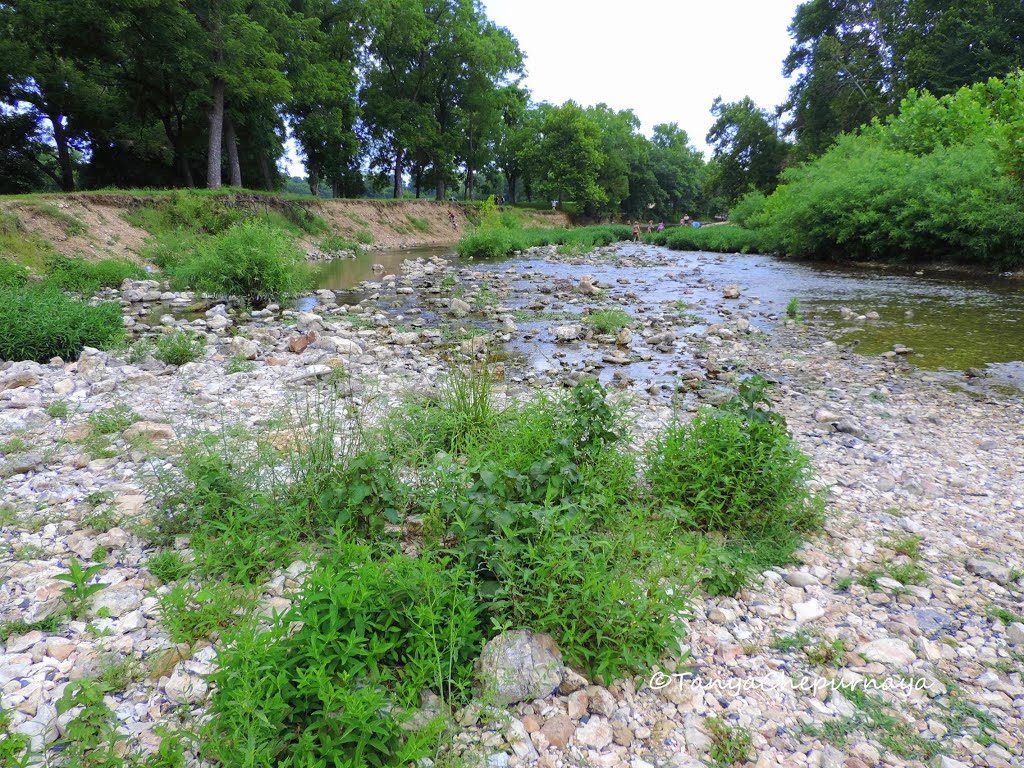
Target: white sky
666	60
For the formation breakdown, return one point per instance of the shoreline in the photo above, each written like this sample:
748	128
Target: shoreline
902	455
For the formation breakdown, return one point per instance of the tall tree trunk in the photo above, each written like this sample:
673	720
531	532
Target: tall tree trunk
213	154
512	189
441	189
268	177
398	174
231	140
178	145
67	168
469	182
314	183
419	180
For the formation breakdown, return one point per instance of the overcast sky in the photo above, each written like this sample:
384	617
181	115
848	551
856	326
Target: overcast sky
666	60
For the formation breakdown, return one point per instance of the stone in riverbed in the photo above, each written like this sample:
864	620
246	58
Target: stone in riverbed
558	730
596	734
731	292
888	650
151	430
568	332
519	666
987	569
1015	633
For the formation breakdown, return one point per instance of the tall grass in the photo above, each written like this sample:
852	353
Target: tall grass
39	322
85	277
503	241
722	238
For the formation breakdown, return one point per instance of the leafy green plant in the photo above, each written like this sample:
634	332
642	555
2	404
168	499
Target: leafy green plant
12	274
191	615
40	322
180	347
736	474
252	261
608	320
336	243
239	364
374	633
112	420
80	590
14	627
793	309
730	745
168	566
92	735
58	409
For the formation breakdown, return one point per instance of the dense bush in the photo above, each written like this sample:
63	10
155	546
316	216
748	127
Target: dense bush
38	322
940	180
748	210
252	261
736	473
86	277
374	632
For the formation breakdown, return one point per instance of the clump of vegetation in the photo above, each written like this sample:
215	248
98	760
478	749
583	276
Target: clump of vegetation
252	261
180	347
736	473
722	238
730	745
12	274
84	277
40	322
336	243
608	320
501	240
940	179
375	632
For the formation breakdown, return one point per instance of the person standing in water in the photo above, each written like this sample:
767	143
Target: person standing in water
636	232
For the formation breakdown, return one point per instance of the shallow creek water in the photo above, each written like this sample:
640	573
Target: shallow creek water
952	322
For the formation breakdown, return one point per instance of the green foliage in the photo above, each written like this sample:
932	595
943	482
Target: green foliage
180	347
39	322
719	239
168	566
747	152
748	210
419	224
941	179
736	474
608	320
84	277
92	735
80	590
112	420
14	627
374	633
336	243
252	261
730	745
12	274
502	241
191	615
58	409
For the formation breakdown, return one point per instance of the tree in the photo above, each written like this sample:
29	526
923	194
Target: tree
747	151
569	159
51	55
856	59
679	171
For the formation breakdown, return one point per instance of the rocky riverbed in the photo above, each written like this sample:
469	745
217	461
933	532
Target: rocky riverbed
916	582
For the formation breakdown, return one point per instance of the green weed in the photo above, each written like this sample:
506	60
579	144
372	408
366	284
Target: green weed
608	321
180	347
